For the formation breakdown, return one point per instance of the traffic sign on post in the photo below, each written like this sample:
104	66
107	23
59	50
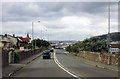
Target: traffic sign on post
114	50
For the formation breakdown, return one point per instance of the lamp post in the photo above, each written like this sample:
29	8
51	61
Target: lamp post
33	34
47	35
41	34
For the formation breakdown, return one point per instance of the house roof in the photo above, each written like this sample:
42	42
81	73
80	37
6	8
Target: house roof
26	39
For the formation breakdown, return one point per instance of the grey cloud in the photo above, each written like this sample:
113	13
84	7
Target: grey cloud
55	27
21	11
51	15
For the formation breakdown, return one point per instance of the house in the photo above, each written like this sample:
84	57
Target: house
1	44
8	44
7	41
22	41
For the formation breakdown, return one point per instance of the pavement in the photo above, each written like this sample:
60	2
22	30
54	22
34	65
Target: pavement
13	68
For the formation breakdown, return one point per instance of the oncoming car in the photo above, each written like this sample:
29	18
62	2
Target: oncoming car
51	50
46	54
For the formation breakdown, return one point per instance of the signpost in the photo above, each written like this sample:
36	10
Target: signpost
114	50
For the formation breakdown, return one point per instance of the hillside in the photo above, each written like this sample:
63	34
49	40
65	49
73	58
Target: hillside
113	36
94	44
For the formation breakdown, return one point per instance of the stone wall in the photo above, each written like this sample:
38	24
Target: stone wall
5	58
100	57
21	55
26	54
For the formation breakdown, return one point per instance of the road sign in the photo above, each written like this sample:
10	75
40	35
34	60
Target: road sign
114	49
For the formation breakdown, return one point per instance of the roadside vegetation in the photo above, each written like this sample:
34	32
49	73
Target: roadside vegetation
94	44
40	43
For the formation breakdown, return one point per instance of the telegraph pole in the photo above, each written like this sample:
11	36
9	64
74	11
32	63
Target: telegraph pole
108	36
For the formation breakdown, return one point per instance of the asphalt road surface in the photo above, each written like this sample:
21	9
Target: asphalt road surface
81	68
42	68
65	66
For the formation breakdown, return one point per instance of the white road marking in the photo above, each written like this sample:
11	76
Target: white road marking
63	67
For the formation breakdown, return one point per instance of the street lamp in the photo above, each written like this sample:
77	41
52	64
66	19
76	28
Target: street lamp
47	35
33	34
42	35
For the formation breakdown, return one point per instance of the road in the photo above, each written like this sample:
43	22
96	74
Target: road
81	68
69	67
42	68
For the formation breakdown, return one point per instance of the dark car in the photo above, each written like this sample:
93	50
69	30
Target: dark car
46	54
51	50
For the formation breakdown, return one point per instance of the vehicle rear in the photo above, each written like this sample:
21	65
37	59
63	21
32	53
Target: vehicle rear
46	54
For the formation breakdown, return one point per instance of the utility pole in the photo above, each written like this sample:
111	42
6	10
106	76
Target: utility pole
108	36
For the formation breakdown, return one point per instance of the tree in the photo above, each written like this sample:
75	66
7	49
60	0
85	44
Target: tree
40	43
68	49
94	44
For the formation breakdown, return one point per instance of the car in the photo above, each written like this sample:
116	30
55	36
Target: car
46	54
51	50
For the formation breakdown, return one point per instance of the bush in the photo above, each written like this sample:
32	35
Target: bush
94	44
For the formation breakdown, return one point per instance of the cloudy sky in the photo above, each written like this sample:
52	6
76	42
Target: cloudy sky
59	20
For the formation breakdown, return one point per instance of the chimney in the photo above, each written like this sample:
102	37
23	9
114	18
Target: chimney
5	35
13	35
27	35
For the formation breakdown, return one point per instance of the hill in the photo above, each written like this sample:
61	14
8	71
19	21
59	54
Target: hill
94	44
113	36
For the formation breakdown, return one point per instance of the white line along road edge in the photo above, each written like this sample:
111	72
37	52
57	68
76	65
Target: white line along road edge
63	67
